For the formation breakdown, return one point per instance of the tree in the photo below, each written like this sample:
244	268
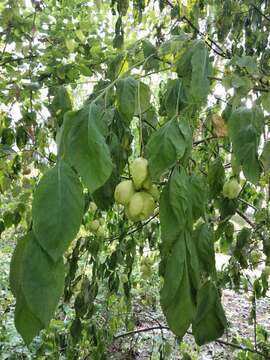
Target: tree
99	84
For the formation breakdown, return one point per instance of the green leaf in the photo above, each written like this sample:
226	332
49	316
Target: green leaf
243	237
167	145
203	238
57	209
126	90
62	100
199	86
249	63
216	176
87	150
176	97
16	266
142	99
265	157
62	135
27	324
198	192
178	253
245	127
177	300
42	281
150	55
210	321
265	99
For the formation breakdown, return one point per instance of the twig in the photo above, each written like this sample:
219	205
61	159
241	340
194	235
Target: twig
133	230
221	52
245	218
260	12
204	140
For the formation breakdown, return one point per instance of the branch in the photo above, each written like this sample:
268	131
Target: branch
204	140
222	342
260	12
245	218
221	52
133	230
18	59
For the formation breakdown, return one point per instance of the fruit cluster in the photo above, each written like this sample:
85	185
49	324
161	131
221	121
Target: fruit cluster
138	195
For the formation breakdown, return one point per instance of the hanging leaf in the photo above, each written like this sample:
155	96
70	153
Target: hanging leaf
177	300
27	324
87	150
167	145
16	266
42	281
210	321
62	135
126	91
198	195
57	209
245	126
203	238
142	99
216	177
179	265
200	71
265	157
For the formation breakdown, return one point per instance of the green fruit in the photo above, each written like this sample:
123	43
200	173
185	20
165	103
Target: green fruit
154	192
139	172
148	206
147	183
92	207
141	206
231	189
94	225
135	206
123	192
128	215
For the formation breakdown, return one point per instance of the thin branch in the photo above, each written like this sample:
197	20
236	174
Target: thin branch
248	204
222	342
18	59
204	140
133	230
246	218
221	52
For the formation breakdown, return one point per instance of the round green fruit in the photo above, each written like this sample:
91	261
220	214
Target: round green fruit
94	225
141	206
148	206
123	192
231	189
101	232
139	172
135	206
92	207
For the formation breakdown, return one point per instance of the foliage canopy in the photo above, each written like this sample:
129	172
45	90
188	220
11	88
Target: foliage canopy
87	87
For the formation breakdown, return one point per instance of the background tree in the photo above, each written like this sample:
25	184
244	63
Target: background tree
88	87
